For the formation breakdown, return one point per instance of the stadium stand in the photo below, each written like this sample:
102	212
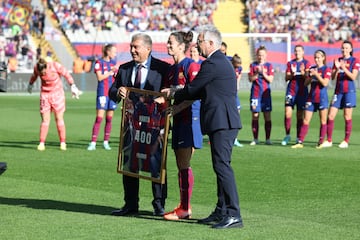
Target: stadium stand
325	21
313	24
84	21
17	48
233	24
87	25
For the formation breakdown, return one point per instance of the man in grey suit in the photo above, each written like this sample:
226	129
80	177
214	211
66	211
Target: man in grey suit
153	73
215	85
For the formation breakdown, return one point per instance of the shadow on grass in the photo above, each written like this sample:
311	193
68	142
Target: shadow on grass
46	204
57	205
33	144
149	216
19	144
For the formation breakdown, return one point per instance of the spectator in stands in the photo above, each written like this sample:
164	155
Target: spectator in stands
25	48
2	49
12	63
169	15
10	48
78	65
35	22
38	52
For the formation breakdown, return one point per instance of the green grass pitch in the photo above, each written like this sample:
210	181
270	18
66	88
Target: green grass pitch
284	193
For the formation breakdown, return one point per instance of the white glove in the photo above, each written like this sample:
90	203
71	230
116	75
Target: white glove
75	91
29	88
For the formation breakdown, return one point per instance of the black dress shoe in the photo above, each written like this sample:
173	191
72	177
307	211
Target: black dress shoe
158	208
125	211
214	217
159	212
228	222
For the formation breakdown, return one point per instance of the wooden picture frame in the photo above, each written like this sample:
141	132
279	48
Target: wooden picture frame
143	136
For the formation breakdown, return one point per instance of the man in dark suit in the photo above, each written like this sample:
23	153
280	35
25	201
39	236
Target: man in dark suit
153	73
215	85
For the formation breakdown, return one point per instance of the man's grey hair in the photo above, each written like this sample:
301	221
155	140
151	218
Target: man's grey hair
210	33
144	37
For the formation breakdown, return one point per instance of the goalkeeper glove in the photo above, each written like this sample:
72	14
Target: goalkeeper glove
29	88
75	91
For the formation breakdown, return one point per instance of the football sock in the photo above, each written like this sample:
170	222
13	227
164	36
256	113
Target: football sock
330	128
255	128
348	128
287	123
267	129
96	127
108	126
186	183
299	123
322	133
44	129
60	125
303	132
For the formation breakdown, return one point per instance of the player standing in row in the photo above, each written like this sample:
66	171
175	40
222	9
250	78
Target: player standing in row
319	77
261	74
52	97
296	92
195	55
186	132
105	69
236	62
345	71
238	69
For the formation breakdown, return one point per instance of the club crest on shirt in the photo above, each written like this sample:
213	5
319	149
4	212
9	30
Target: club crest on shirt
181	77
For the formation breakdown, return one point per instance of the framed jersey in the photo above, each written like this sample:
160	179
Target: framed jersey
143	136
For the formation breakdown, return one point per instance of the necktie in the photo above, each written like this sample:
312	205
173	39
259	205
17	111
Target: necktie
137	82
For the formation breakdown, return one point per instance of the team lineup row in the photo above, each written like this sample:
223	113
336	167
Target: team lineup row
307	91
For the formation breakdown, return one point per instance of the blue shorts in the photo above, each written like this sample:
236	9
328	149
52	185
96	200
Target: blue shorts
260	105
299	101
344	100
314	107
105	103
187	135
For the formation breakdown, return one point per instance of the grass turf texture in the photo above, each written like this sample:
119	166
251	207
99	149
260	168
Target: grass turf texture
285	193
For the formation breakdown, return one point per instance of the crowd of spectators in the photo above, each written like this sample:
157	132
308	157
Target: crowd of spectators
135	15
308	21
16	51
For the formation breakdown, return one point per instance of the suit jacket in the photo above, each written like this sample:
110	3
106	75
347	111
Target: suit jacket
156	76
215	85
